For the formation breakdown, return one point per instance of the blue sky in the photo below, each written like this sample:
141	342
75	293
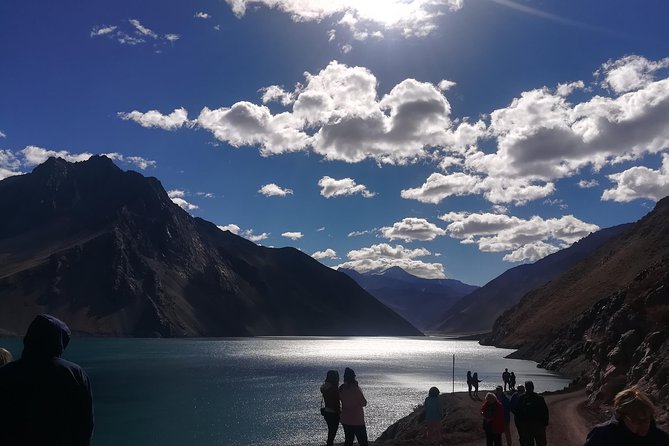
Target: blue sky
453	138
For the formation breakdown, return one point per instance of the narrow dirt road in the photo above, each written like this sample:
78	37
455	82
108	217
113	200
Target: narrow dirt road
568	426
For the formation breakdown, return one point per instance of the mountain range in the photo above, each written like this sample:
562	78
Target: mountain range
109	252
420	301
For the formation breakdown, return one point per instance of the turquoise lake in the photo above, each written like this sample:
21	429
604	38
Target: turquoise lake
265	391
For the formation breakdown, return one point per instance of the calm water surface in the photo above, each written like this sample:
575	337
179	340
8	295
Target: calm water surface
265	391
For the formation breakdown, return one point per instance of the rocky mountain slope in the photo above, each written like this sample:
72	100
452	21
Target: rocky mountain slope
420	301
477	311
109	253
606	320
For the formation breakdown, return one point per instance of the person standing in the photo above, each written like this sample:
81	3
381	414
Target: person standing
633	423
512	381
433	417
532	415
46	400
475	383
506	404
352	412
332	409
469	384
505	378
493	420
514	405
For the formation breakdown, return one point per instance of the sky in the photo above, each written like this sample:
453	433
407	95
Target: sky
453	138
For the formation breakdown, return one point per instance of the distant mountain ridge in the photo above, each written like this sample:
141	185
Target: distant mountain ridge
108	252
421	301
605	321
477	311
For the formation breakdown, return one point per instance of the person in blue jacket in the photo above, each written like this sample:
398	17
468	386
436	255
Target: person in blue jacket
633	423
44	399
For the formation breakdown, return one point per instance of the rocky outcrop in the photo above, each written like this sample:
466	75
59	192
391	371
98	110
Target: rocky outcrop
108	252
606	321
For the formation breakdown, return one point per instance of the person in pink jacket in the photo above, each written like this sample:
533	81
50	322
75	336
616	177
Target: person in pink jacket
352	413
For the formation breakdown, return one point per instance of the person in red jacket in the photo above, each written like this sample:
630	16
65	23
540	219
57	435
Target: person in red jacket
493	420
352	412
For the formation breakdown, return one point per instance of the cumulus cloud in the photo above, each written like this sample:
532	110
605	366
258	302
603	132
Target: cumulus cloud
202	15
339	188
246	233
177	197
327	254
524	239
153	118
272	190
640	182
377	258
364	19
9	164
293	235
629	73
587	184
411	229
230	227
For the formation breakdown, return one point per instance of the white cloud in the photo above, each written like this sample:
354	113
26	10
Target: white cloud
360	233
346	186
380	257
363	18
202	15
276	93
177	197
142	29
445	85
327	254
34	155
527	239
153	118
293	235
411	229
140	162
640	182
205	194
9	164
102	30
321	229
587	184
629	73
172	37
272	190
347	48
230	227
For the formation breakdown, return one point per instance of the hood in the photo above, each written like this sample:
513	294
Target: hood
47	337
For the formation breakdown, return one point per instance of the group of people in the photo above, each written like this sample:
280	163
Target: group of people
344	404
509	379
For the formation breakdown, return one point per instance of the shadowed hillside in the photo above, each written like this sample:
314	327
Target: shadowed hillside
108	252
478	310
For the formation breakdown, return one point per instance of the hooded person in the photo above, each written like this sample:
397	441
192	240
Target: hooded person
46	400
352	412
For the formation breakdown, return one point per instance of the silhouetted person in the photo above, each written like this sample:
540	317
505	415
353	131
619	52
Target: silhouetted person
45	400
470	384
633	423
352	412
5	356
493	420
532	415
475	383
512	381
332	409
513	403
506	404
505	378
433	417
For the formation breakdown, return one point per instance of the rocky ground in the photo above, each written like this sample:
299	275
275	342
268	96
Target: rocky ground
569	425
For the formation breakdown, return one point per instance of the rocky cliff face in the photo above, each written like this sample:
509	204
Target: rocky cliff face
606	320
109	253
477	311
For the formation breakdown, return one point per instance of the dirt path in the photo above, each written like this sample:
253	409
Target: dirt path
568	426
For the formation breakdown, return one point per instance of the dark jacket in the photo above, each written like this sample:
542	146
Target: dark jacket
45	400
330	393
615	433
531	408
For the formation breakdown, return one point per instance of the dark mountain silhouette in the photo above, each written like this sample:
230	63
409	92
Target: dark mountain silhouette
420	301
605	320
478	311
108	252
